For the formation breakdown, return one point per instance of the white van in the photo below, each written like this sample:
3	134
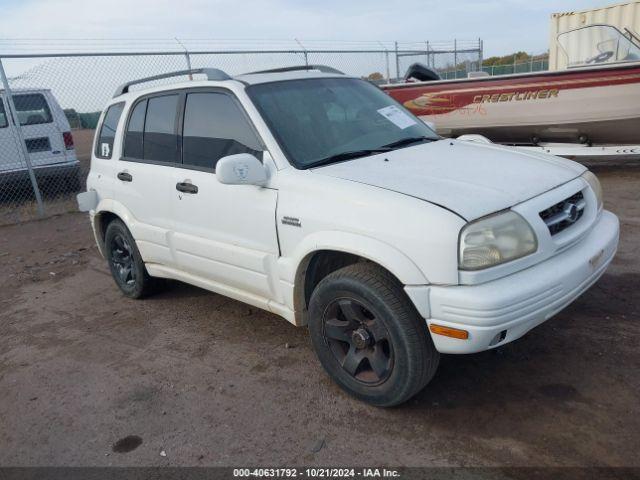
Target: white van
47	135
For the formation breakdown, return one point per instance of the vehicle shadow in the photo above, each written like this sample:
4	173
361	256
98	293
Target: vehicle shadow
556	367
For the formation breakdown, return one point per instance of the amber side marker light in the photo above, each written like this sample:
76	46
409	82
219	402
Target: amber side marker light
449	332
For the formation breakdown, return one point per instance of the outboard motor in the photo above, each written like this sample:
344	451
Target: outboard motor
420	72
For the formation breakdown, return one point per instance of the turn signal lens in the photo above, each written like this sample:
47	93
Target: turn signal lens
449	332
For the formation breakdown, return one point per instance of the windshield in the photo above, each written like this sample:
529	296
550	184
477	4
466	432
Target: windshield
323	120
597	44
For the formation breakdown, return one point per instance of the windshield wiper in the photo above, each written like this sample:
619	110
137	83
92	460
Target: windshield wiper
407	141
368	151
347	156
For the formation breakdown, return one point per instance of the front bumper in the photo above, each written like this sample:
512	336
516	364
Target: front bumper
502	310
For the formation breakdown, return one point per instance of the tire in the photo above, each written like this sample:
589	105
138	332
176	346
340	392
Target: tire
360	316
125	262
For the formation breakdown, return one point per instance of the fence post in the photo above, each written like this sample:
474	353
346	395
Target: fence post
186	56
17	131
386	56
304	52
386	60
455	57
397	62
480	49
428	55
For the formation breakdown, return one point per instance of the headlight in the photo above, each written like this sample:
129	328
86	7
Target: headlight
495	239
594	183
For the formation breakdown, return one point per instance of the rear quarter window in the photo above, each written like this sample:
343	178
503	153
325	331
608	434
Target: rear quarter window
106	136
32	109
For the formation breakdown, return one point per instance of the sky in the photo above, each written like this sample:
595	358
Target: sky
504	25
86	83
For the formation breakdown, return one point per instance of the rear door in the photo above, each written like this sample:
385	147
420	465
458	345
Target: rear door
42	134
145	174
10	154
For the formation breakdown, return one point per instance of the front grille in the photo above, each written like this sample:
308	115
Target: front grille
563	214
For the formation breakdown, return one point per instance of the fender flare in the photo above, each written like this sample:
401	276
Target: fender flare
385	255
115	208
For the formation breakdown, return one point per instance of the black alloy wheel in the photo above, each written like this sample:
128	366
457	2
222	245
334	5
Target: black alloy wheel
125	262
122	260
368	335
358	340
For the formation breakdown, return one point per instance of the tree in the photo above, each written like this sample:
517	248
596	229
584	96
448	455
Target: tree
510	59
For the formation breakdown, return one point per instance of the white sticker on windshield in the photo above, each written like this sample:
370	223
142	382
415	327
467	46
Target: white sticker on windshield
396	116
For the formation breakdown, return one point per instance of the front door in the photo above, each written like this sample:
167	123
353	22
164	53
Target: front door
223	233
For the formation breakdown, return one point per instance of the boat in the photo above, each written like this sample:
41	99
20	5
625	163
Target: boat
595	100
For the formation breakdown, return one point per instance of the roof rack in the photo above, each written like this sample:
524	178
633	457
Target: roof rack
211	73
320	68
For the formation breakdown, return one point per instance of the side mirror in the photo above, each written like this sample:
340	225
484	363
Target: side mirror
241	169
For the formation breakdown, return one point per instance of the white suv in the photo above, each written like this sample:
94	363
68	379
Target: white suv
319	198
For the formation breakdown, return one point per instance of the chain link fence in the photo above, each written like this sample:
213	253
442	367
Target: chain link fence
50	105
519	67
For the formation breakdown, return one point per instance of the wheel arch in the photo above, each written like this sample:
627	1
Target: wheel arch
338	250
106	212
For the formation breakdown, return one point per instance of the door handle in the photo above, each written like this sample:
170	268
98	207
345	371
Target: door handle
125	177
186	187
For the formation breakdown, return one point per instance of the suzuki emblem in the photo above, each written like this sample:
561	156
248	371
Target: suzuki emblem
571	210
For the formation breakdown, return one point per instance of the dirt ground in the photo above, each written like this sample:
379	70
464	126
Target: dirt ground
210	381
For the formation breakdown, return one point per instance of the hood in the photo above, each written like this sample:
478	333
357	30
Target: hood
469	178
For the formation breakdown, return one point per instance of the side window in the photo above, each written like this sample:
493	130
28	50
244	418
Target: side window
135	129
160	141
32	109
214	127
104	145
3	115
